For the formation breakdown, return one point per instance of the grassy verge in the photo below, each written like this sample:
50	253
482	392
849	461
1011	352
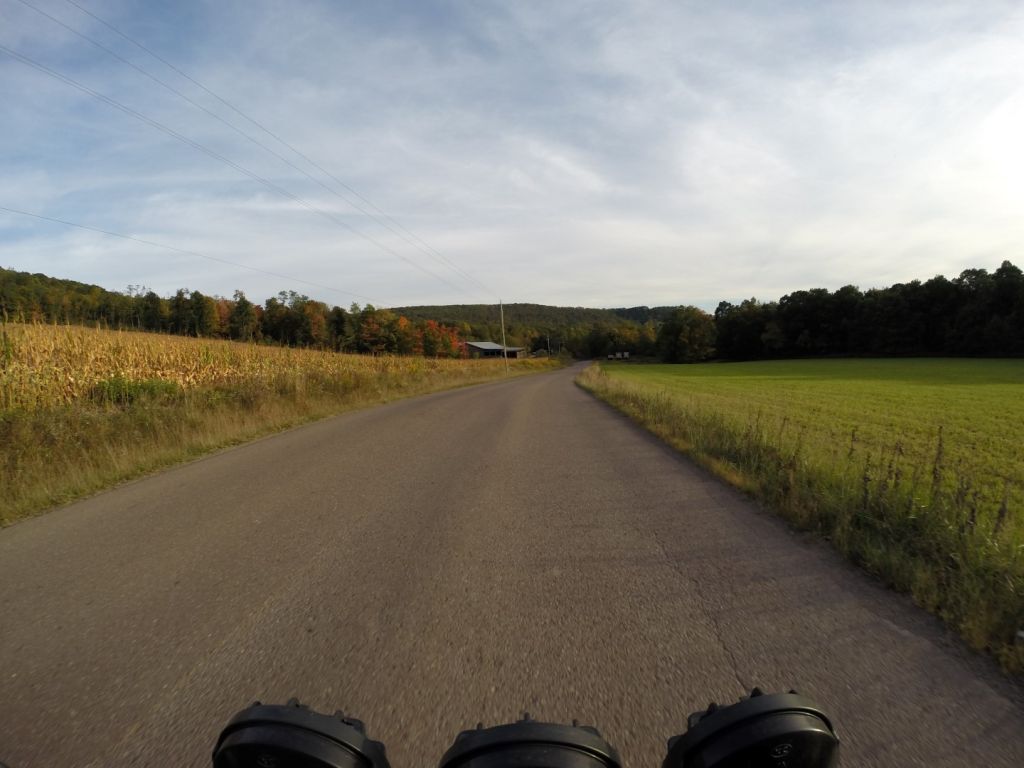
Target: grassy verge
930	512
83	410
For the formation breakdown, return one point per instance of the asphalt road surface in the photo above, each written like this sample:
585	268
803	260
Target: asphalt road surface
457	558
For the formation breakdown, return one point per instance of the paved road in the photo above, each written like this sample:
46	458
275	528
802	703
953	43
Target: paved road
459	557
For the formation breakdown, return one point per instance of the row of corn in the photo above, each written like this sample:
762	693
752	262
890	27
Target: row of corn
45	366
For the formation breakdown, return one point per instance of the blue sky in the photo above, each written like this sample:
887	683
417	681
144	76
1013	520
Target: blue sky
576	153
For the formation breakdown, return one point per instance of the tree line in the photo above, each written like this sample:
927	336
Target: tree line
288	319
975	314
582	332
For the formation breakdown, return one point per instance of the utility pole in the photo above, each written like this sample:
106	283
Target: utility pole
504	349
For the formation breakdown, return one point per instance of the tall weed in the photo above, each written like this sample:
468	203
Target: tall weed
935	539
83	409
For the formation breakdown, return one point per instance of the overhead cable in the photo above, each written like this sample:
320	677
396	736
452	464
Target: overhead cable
217	156
181	250
380	217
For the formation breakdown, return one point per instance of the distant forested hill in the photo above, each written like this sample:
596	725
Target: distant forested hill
583	331
526	314
539	315
297	320
535	314
288	319
977	313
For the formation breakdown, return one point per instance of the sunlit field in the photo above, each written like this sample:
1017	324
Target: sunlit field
912	467
81	409
46	366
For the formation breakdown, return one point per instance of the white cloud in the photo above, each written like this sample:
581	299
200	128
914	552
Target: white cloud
575	153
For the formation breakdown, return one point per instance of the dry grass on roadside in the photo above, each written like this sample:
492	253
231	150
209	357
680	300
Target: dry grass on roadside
83	409
913	518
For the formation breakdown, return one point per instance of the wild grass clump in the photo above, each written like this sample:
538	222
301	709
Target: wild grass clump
924	518
119	390
83	409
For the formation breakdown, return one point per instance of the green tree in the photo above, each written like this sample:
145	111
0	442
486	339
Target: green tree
338	329
154	312
244	323
740	330
204	315
688	336
280	321
180	313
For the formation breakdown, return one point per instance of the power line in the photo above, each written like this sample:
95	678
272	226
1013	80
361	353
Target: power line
233	127
180	250
383	219
217	156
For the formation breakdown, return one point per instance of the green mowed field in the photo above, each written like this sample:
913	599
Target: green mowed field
913	468
841	412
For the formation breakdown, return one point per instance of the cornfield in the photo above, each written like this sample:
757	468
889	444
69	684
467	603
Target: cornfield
44	367
82	410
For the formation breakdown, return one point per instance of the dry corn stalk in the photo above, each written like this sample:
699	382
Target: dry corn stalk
45	366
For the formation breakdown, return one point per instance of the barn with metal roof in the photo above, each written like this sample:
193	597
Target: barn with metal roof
490	349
